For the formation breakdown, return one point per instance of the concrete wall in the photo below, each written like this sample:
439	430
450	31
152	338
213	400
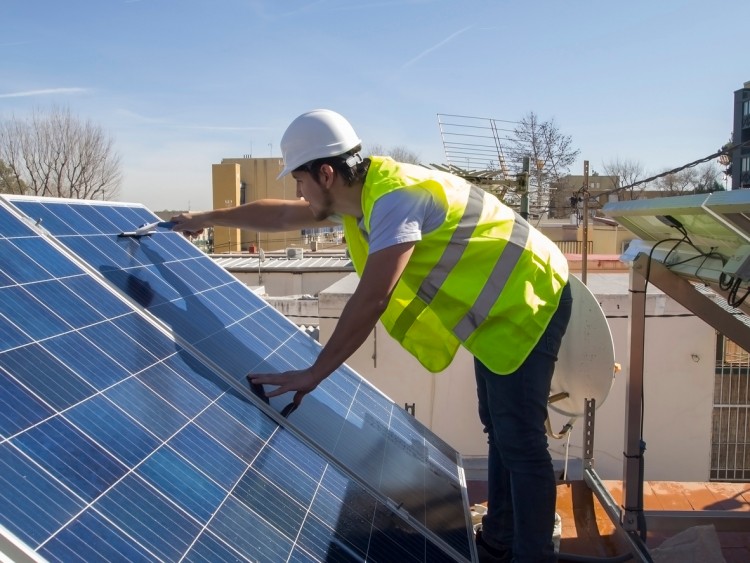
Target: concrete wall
679	383
278	284
299	311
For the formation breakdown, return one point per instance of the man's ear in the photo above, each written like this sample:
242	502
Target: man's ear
326	174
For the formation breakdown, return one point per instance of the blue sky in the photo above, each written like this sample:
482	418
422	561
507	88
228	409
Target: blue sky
179	85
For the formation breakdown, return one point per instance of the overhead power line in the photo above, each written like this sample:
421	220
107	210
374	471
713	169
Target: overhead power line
708	158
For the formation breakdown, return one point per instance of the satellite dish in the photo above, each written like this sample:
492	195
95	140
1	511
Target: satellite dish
585	366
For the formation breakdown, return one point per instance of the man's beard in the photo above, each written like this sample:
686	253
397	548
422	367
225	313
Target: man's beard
327	210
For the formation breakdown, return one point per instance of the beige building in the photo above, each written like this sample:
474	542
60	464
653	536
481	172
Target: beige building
240	180
570	186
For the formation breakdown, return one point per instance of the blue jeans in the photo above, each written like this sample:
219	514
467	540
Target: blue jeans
522	487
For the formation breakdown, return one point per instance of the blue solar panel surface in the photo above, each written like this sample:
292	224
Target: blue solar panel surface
140	450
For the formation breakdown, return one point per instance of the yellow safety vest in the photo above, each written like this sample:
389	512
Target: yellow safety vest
485	279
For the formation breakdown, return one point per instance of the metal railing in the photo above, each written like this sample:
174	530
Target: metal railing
574	246
730	441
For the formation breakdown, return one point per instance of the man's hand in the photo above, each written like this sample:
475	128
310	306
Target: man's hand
191	224
302	381
358	318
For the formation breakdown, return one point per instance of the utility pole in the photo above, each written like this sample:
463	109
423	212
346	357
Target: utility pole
585	249
523	188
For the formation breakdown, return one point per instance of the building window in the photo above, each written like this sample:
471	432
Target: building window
745	171
746	108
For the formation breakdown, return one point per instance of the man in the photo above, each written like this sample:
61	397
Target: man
441	264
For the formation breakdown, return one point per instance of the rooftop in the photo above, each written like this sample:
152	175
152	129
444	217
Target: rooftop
280	262
587	529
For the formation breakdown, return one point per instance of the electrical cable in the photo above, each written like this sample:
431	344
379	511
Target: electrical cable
725	281
708	158
737	301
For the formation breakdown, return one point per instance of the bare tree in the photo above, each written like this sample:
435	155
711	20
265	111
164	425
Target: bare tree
625	172
400	154
550	153
54	154
678	183
691	180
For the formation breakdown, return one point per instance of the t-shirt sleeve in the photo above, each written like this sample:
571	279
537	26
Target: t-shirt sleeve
403	216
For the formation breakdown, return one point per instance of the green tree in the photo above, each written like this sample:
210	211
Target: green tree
55	154
9	182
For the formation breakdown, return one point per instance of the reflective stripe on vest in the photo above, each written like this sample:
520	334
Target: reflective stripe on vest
496	282
433	281
451	256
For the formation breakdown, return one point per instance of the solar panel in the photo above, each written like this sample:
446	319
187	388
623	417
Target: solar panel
128	412
698	236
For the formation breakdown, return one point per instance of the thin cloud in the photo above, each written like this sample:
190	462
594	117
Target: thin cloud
435	47
177	125
46	92
225	128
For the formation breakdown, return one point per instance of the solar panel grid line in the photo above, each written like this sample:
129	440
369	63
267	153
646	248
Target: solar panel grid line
126	296
419	524
349	409
350	405
297	531
154	319
218	508
216	511
115	483
134	540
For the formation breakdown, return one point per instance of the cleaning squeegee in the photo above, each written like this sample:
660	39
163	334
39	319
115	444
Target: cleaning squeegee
148	229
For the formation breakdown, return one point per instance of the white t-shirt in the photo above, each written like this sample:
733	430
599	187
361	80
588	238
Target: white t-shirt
402	216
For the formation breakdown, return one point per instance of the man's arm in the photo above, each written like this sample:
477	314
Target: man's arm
361	313
266	215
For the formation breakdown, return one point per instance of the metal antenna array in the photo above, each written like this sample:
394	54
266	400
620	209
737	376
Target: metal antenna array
476	148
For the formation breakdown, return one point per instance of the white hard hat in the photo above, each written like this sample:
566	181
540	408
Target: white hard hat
319	133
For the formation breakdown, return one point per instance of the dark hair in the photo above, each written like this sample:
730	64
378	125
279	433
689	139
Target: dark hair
350	174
